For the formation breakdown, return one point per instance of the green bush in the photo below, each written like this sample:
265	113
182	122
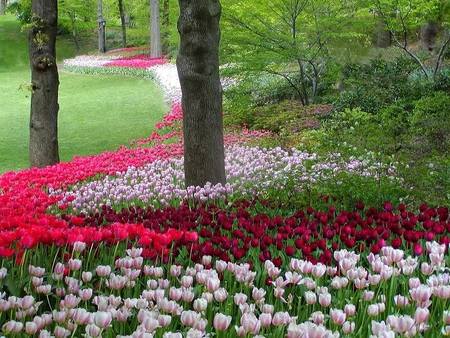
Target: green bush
430	121
379	84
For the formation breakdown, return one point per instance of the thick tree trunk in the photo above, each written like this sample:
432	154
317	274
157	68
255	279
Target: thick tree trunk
428	36
198	70
155	30
44	82
384	38
123	23
2	7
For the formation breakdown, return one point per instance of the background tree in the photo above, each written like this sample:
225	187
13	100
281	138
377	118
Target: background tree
2	7
123	24
155	30
290	38
101	27
404	18
44	84
198	70
75	16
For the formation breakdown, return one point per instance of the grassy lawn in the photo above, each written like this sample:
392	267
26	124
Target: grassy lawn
97	113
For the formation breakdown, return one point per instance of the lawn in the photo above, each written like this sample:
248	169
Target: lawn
97	113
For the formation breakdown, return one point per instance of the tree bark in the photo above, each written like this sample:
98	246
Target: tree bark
2	7
43	148
123	23
155	30
428	36
101	28
165	24
384	38
198	71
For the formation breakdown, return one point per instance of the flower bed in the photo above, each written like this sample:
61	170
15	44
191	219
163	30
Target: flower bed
115	245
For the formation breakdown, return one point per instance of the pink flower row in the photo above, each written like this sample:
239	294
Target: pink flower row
137	61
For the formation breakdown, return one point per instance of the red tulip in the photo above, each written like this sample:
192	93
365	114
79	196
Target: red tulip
290	250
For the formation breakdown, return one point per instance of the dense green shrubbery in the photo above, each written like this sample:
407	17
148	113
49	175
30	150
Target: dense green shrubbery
379	84
430	121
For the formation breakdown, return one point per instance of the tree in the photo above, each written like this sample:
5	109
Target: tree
2	7
101	27
198	70
43	147
155	30
76	16
123	24
403	16
290	38
166	24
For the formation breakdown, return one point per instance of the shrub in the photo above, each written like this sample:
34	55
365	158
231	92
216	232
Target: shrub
430	121
379	84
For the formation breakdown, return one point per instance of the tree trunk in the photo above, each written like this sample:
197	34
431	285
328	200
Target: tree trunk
165	24
384	35
43	148
123	23
198	71
101	28
428	36
155	30
74	31
2	7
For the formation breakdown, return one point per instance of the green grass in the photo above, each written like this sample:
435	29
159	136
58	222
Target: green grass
97	113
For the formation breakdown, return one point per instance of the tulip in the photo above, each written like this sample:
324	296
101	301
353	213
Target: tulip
348	327
250	323
338	316
221	321
189	318
200	304
265	319
102	319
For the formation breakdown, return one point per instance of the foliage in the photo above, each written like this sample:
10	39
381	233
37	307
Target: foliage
290	39
431	120
21	9
378	84
403	17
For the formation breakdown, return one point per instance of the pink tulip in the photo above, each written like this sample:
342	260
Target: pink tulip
61	332
31	328
250	323
213	284
221	321
265	319
310	297
220	295
372	310
281	318
186	281
348	327
189	318
81	316
150	324
164	320
317	317
338	316
102	319
325	299
421	315
103	270
200	304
